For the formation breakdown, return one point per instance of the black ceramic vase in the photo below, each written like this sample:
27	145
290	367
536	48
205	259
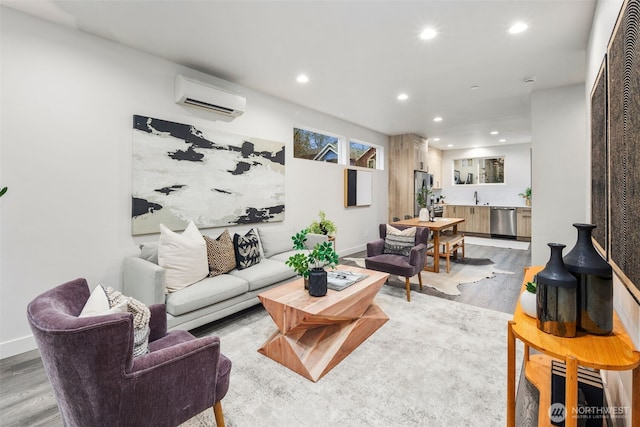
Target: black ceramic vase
556	296
595	283
317	282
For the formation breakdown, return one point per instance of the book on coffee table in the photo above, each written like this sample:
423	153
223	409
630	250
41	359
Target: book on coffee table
338	280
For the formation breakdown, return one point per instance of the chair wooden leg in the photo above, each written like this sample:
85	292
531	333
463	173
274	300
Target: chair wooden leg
420	279
408	288
217	412
448	258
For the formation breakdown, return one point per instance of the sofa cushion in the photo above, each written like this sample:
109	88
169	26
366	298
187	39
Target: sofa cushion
149	252
206	292
275	240
220	253
183	256
247	249
284	256
264	274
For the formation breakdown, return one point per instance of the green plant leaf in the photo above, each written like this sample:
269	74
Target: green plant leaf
3	190
531	287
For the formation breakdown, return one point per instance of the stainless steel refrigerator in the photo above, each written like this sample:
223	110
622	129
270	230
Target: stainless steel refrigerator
421	180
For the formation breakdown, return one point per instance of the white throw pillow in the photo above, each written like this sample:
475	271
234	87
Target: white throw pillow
183	257
98	304
411	231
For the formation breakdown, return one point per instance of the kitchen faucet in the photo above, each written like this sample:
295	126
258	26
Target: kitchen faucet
475	196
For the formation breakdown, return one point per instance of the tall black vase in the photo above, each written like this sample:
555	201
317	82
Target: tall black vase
556	296
317	282
595	283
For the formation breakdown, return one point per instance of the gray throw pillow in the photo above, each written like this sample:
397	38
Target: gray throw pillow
399	242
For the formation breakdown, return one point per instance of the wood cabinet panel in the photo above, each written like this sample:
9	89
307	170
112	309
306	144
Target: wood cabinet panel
405	154
523	218
476	218
434	166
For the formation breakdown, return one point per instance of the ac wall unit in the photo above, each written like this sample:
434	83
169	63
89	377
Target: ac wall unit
196	94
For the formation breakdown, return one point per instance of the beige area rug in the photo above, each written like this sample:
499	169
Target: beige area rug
448	283
434	363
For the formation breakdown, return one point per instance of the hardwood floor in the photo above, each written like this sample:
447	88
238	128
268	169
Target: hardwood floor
26	397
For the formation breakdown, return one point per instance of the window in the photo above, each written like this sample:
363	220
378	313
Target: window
315	146
363	155
481	170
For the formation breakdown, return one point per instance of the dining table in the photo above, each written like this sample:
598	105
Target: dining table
437	226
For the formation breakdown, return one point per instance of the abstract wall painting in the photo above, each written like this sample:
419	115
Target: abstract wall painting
623	87
183	172
600	161
357	187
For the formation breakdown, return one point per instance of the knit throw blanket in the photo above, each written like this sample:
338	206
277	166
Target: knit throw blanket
141	316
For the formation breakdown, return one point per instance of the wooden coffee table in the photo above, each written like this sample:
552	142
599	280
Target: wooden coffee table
316	333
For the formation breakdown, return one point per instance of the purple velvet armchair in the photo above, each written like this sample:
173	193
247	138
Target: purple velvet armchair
98	382
405	266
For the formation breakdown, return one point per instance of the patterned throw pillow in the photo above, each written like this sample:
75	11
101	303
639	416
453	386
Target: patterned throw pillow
220	253
399	242
247	249
141	317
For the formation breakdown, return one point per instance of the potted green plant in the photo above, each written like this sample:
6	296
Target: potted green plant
311	265
421	199
526	195
528	301
323	226
3	190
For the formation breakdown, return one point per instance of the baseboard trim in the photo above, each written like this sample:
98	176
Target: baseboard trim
17	346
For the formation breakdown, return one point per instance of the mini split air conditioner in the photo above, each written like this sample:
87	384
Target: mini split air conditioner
225	104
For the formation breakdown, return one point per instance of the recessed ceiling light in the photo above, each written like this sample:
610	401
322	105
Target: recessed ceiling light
436	139
428	34
437	119
518	27
449	145
302	78
494	132
403	97
502	140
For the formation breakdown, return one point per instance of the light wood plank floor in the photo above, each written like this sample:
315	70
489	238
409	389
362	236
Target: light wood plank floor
26	398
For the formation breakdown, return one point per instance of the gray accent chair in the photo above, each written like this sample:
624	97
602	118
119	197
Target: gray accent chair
97	381
405	266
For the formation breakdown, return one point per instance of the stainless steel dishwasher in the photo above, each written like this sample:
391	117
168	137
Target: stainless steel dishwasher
503	222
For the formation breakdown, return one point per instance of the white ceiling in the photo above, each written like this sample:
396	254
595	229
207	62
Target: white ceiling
359	55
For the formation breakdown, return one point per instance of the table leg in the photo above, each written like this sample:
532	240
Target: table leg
571	393
635	397
511	376
436	251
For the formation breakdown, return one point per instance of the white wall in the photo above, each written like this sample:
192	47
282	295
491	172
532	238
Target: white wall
619	384
67	104
559	156
517	171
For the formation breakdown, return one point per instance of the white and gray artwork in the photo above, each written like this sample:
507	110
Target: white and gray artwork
183	173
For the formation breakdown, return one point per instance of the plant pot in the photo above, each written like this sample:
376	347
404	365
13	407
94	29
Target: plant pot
527	202
595	283
424	215
317	282
528	303
556	295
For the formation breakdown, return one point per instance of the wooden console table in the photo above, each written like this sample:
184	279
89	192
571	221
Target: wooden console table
315	333
611	352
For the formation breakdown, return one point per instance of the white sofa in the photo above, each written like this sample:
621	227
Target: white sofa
213	298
